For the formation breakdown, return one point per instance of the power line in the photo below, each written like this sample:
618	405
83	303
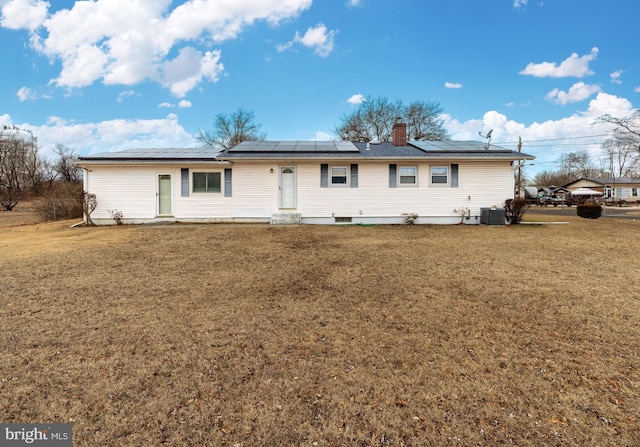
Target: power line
556	139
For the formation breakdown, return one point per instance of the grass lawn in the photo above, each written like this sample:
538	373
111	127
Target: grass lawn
255	335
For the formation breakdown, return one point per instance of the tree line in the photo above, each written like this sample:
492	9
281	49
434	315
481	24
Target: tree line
25	173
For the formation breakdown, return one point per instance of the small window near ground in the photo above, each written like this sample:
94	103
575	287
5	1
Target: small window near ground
439	175
338	175
408	175
207	182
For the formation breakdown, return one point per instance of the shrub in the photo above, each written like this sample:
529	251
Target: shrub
589	210
63	200
117	216
409	218
514	209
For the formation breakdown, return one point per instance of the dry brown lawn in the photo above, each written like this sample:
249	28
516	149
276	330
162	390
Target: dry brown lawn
256	335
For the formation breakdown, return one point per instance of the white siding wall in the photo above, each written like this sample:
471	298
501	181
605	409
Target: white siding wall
133	190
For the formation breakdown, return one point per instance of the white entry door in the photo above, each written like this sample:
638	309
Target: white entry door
164	194
287	187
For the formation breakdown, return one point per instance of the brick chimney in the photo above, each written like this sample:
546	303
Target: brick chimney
399	133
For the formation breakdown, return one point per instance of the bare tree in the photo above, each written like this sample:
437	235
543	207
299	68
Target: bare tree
622	155
231	130
374	118
20	166
576	165
65	166
629	125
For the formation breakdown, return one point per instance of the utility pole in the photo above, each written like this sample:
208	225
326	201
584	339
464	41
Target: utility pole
519	182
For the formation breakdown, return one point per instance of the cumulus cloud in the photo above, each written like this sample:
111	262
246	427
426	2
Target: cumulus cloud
573	66
358	98
454	85
125	94
319	38
323	136
520	3
23	14
354	3
126	42
637	89
578	125
184	104
166	105
578	92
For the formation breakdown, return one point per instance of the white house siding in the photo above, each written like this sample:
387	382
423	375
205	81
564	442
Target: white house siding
481	185
133	191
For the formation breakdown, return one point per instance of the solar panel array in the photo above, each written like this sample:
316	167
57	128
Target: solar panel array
294	146
451	145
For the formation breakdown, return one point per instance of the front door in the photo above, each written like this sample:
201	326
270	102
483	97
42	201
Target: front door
288	187
164	194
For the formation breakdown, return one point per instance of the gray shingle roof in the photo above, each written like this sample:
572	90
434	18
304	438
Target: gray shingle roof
264	150
157	154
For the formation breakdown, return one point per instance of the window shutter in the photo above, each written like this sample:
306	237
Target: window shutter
393	175
184	177
227	182
324	176
454	175
354	176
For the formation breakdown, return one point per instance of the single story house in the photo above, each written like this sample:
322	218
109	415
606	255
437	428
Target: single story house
619	188
314	182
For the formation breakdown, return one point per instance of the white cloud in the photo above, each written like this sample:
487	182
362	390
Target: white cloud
520	3
25	93
184	104
452	85
358	98
323	136
637	89
578	92
27	14
615	76
125	94
319	38
167	105
574	66
578	125
111	135
354	3
188	69
126	42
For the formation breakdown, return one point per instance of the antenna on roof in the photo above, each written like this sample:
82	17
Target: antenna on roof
488	137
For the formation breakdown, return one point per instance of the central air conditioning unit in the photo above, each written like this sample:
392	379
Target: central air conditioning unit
492	216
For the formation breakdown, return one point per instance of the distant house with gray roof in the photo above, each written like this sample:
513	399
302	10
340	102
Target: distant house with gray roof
315	182
618	188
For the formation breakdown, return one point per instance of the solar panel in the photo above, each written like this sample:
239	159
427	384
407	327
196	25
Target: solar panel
294	146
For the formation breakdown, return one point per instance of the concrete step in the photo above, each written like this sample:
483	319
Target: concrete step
286	218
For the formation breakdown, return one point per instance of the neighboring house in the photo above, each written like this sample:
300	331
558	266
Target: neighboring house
623	188
315	182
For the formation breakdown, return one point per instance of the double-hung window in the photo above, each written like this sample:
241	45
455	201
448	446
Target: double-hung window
207	182
408	175
339	175
439	175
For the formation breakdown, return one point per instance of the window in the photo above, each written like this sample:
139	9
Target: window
206	182
408	175
439	175
339	175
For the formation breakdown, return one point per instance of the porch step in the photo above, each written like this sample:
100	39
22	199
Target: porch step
286	218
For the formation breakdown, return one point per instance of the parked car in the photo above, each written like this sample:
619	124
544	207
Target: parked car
551	200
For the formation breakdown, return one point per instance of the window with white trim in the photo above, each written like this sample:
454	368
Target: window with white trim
207	182
339	175
440	175
407	176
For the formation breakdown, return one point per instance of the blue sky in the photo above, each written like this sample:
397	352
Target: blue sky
107	75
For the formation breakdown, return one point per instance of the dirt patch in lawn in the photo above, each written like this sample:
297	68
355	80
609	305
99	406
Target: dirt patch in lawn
224	335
